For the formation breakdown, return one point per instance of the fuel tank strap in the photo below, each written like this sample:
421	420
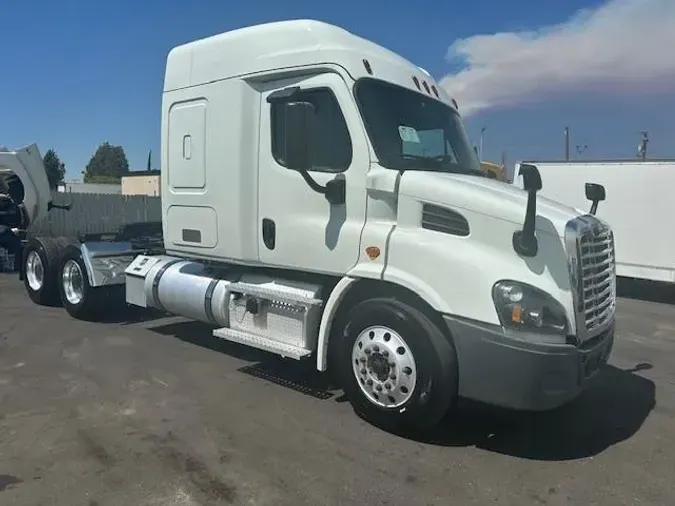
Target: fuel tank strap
155	283
207	301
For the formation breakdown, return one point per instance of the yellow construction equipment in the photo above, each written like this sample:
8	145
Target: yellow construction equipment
493	170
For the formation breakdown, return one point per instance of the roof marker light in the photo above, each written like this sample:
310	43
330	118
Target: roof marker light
367	66
417	82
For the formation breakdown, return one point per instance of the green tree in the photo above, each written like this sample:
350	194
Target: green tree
108	164
56	169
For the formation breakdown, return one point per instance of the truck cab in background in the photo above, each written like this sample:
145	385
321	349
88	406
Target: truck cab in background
25	198
321	199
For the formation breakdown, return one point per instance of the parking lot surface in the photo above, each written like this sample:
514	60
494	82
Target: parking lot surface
157	412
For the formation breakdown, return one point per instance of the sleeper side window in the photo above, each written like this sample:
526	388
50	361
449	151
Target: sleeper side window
332	143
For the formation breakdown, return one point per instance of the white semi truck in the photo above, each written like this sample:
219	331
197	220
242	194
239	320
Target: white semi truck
641	194
321	200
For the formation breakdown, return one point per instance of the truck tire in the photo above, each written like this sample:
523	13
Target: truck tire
64	242
398	370
40	263
78	297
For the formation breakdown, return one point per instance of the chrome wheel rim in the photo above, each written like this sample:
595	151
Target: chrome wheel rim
73	282
35	272
384	367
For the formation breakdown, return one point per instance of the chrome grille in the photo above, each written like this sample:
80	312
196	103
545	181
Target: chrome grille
590	245
596	248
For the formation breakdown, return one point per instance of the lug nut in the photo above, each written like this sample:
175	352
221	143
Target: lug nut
407	370
392	377
362	359
369	382
376	348
378	388
367	351
385	353
387	386
363	371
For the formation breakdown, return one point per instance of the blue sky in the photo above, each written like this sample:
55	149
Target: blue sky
78	73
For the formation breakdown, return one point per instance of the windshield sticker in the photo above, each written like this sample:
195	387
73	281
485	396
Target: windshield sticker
408	134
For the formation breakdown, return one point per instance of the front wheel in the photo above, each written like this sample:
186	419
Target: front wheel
398	370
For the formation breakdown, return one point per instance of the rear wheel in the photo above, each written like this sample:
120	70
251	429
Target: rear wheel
64	242
78	297
398	370
40	266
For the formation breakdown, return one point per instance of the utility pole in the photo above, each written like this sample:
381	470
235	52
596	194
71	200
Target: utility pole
482	131
642	147
567	144
505	171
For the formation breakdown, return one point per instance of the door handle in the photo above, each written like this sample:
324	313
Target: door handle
269	233
336	190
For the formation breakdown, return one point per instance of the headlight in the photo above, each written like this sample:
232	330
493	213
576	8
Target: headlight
526	308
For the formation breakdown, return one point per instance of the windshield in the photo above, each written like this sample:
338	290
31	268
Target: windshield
411	131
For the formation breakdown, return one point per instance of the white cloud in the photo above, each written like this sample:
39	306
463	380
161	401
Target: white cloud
622	46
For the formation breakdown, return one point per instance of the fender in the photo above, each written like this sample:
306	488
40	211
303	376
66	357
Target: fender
416	285
411	284
331	307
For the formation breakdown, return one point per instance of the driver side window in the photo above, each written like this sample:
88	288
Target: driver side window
332	143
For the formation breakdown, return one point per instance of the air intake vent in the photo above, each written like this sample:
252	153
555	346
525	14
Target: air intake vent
444	220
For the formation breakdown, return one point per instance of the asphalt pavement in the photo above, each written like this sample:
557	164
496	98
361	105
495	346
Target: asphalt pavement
157	412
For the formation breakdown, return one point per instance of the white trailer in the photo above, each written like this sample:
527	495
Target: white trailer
640	202
321	200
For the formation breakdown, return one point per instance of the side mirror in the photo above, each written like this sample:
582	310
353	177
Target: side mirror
300	120
531	177
525	241
595	193
300	125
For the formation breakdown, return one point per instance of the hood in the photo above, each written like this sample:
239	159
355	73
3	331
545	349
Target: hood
25	177
485	196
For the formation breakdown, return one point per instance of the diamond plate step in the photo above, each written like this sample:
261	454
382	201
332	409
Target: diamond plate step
282	296
262	343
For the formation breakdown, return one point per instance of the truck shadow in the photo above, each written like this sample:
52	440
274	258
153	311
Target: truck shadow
645	290
128	315
299	376
611	410
114	309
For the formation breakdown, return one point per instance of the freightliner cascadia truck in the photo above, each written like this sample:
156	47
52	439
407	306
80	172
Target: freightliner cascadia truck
321	201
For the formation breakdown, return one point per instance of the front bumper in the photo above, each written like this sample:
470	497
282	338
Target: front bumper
502	371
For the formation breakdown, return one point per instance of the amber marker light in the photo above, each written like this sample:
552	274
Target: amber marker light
517	314
373	252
